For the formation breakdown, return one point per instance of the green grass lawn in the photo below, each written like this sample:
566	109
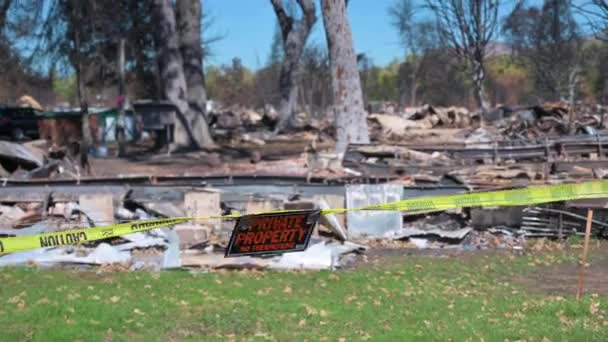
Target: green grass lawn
472	298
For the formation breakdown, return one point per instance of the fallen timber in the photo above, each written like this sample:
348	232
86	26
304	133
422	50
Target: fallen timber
549	149
172	189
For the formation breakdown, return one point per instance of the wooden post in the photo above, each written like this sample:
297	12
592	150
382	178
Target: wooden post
560	234
581	276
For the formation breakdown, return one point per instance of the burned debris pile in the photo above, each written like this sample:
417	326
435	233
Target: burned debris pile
415	152
513	147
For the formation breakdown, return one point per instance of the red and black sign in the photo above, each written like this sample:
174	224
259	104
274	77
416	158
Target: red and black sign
272	233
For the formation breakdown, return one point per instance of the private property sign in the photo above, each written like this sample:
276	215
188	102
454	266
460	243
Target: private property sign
272	233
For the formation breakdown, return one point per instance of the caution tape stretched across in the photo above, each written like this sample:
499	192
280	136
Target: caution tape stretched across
517	197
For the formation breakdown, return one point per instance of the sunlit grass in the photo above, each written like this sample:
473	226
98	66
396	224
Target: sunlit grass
412	299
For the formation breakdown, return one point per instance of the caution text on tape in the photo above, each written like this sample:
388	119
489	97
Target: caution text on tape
517	197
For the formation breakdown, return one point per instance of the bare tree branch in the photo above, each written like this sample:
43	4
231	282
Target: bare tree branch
548	42
596	15
295	34
285	21
4	7
468	27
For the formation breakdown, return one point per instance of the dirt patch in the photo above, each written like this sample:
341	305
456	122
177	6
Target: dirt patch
562	279
558	279
375	257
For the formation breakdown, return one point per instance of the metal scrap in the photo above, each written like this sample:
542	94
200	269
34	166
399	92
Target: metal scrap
408	232
367	222
14	156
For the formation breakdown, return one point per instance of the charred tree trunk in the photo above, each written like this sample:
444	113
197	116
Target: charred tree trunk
294	35
468	27
479	76
5	5
191	130
351	118
414	86
87	139
188	15
572	85
122	96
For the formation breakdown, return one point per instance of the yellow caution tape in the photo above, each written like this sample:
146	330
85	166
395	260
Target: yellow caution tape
517	197
77	236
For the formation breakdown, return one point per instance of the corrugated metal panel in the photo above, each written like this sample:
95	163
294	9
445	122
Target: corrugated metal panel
372	223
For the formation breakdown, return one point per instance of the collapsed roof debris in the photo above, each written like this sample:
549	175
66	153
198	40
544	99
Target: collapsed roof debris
45	192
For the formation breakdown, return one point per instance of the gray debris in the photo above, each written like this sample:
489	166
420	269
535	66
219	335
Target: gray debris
331	221
165	209
104	253
22	258
217	261
101	255
420	243
19	155
123	214
98	208
316	257
403	233
9	215
67	210
38	228
171	257
143	242
320	256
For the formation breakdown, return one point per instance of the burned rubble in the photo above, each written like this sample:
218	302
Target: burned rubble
415	152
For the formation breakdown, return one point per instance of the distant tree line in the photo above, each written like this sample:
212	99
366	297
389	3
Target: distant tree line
533	54
474	53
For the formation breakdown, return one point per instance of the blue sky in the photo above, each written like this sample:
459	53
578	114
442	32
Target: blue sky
248	27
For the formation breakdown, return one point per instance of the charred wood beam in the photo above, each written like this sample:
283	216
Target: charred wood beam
552	148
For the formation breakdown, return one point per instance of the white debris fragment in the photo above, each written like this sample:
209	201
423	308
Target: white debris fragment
320	256
420	243
9	215
103	254
125	214
316	257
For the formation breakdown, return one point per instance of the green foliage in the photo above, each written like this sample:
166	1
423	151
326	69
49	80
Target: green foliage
231	84
66	88
548	40
595	69
383	83
506	66
509	81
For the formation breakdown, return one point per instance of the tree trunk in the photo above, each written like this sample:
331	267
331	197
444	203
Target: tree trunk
6	5
191	130
87	139
479	76
572	83
188	15
414	88
122	97
351	118
294	39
